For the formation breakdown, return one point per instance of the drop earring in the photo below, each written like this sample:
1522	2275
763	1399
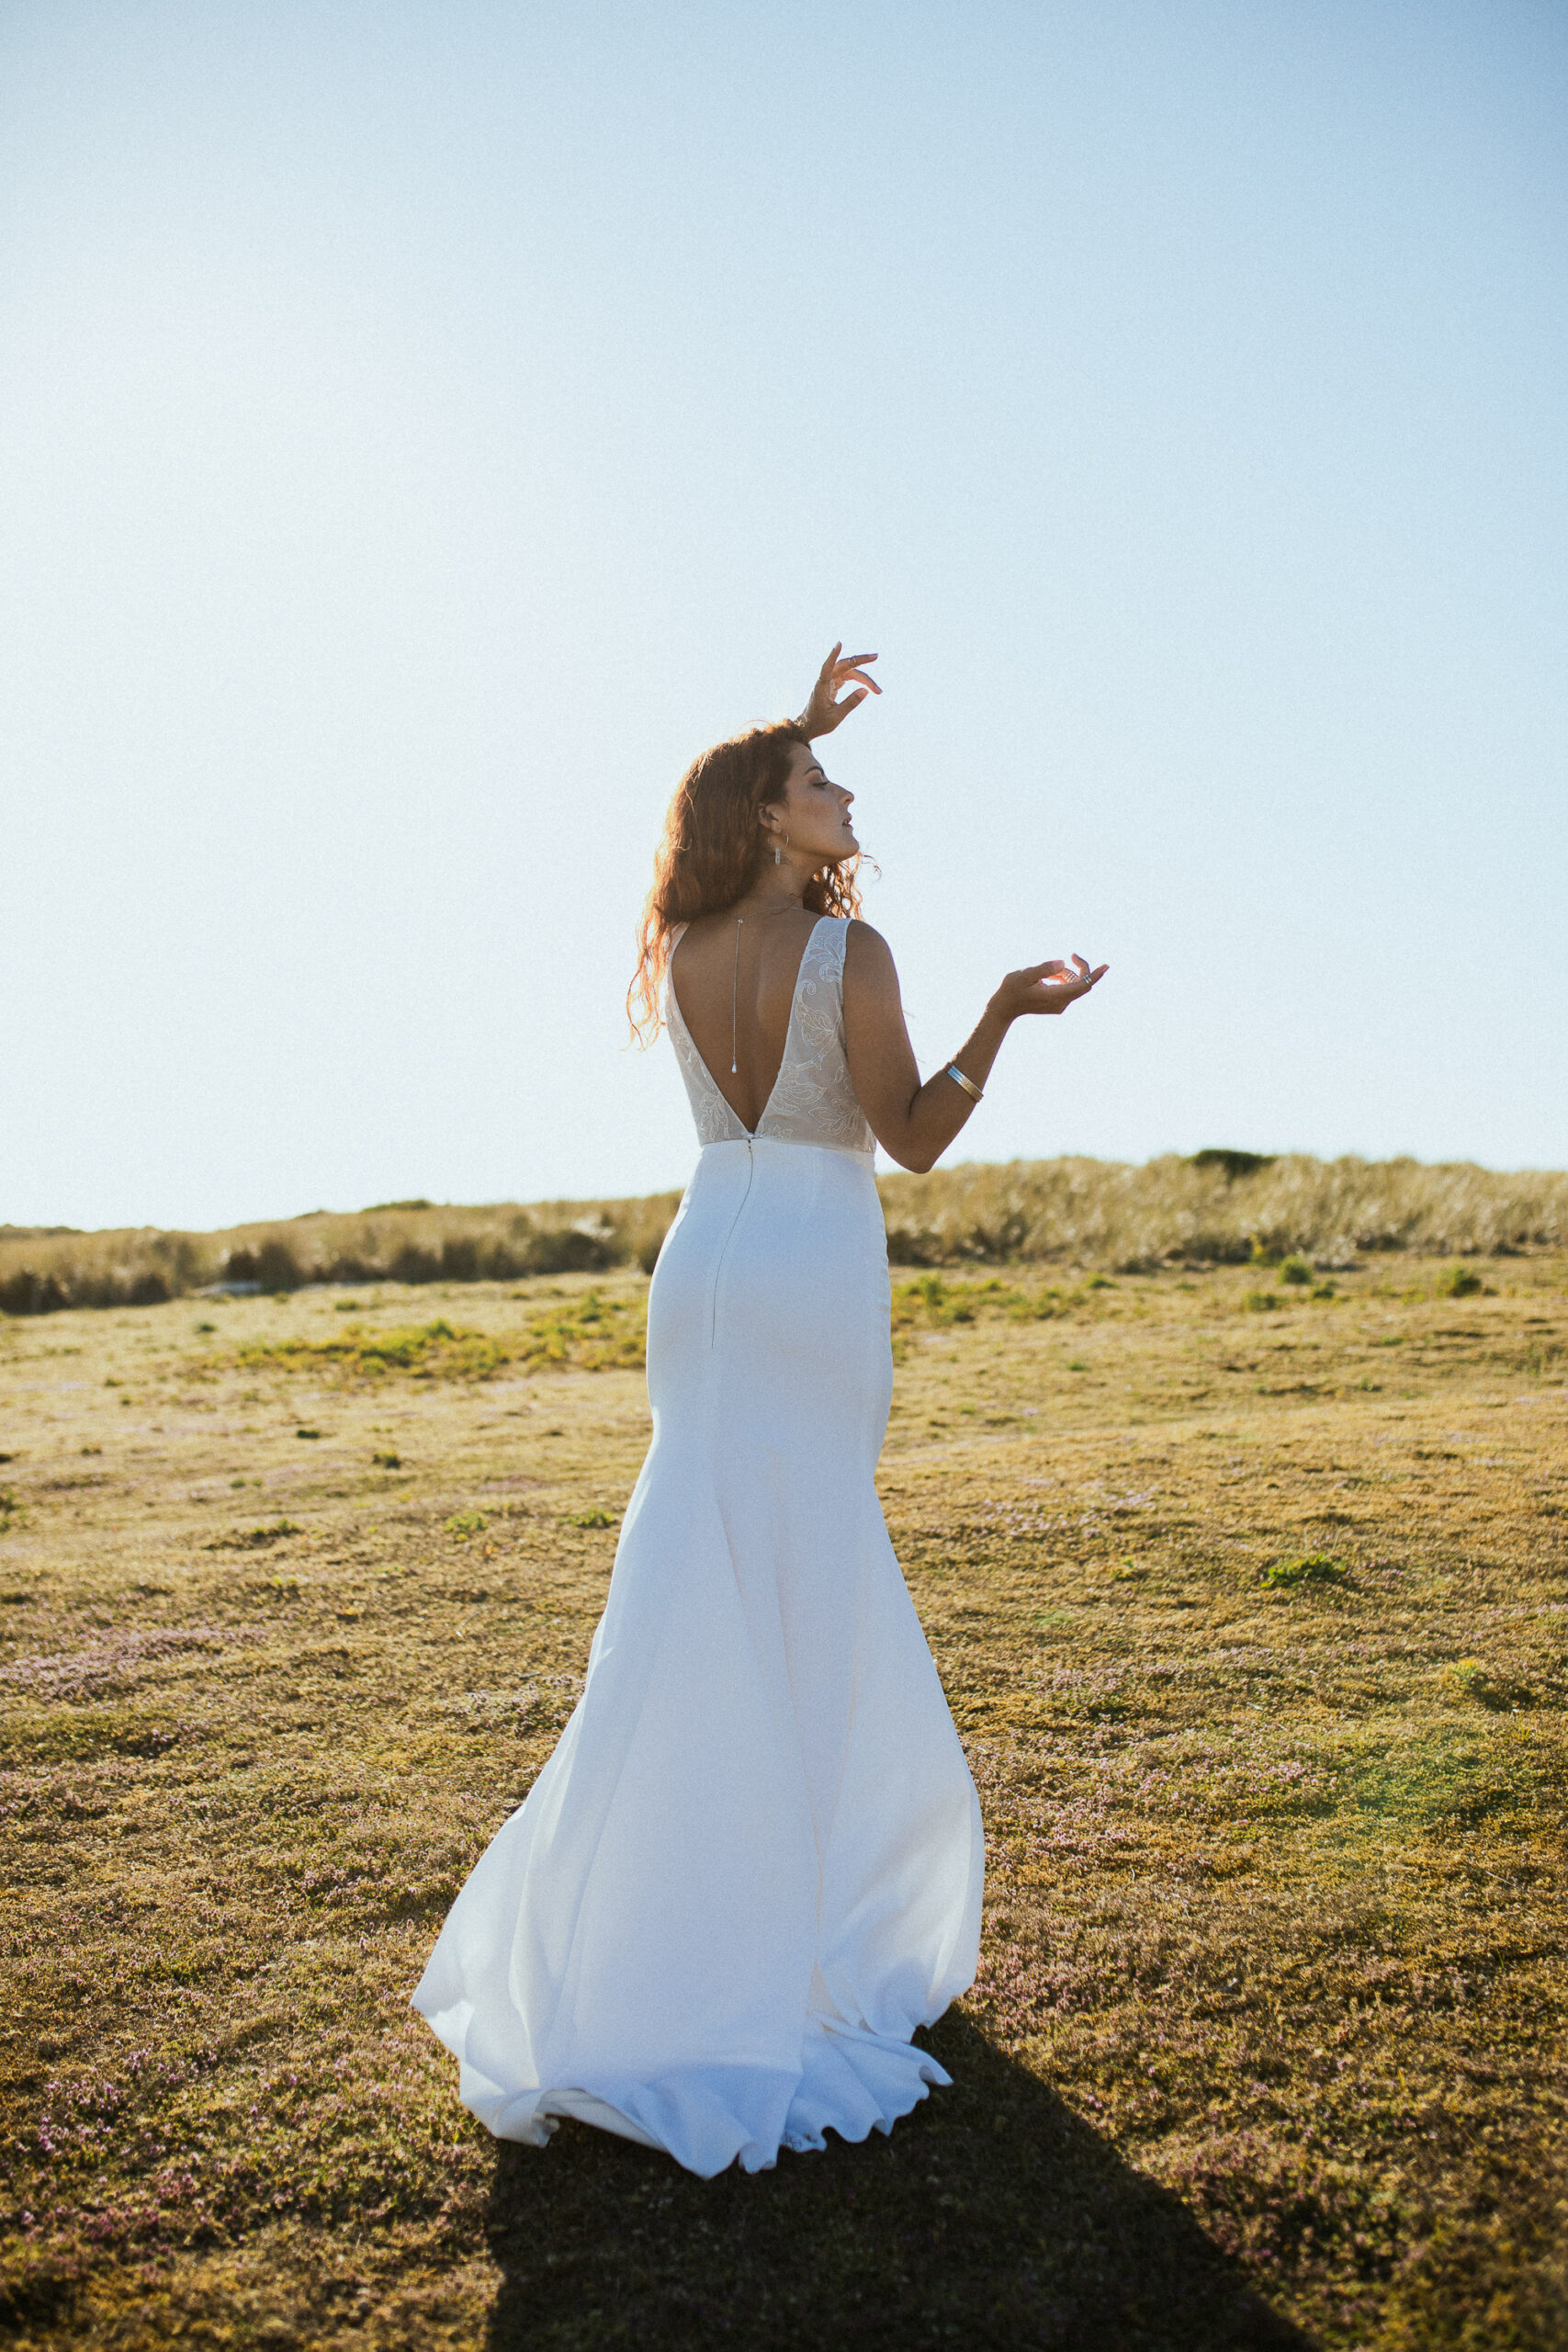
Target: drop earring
778	854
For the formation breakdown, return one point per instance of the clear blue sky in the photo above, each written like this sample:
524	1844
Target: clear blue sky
423	427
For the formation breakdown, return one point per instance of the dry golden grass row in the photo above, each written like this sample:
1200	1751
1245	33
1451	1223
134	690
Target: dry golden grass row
1196	1212
1215	1209
402	1241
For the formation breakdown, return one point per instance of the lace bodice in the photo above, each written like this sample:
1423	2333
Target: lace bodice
812	1100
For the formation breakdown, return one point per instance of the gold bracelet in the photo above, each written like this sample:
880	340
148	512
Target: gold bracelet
954	1072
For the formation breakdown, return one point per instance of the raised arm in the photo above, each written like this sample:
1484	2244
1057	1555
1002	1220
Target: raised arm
915	1123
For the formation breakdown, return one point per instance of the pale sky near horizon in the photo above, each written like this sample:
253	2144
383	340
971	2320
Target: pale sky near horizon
423	427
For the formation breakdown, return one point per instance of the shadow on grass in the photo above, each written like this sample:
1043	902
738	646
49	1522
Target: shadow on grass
992	2216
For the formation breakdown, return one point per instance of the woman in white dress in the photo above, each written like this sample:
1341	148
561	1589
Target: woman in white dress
752	1866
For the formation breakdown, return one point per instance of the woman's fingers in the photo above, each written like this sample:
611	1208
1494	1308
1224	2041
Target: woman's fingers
852	668
825	711
1051	986
1081	976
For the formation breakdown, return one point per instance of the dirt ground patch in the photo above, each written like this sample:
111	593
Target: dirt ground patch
1251	1600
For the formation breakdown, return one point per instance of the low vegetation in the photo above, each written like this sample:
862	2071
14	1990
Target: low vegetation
1292	1211
1255	1626
1303	1216
406	1242
595	1330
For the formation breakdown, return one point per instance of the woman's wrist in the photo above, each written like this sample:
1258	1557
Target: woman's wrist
980	1048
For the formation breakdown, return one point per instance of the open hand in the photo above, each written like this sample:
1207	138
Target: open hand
824	711
1047	987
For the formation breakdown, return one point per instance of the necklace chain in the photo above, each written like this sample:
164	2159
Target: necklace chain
735	979
735	1000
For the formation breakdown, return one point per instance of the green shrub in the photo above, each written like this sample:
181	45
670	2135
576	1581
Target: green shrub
1236	1164
254	1539
1459	1282
425	1350
1295	1269
27	1292
272	1266
941	1303
598	1334
1491	1689
910	1245
1260	1302
1289	1575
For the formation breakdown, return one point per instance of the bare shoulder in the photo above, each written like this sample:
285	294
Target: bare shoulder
868	959
698	950
866	947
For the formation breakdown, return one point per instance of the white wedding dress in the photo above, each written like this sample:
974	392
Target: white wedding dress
752	1865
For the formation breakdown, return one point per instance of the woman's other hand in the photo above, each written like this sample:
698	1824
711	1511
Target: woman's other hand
915	1123
1045	987
824	711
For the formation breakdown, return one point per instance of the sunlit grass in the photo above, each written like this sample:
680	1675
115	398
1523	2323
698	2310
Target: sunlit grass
433	1351
1255	1626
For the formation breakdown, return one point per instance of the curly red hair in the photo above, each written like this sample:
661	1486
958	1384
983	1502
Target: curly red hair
712	850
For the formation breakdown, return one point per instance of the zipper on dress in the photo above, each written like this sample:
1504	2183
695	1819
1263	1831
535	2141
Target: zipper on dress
724	1252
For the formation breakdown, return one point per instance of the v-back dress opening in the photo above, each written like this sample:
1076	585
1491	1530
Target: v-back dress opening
751	1866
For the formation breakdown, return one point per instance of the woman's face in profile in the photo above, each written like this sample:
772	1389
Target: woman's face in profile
813	813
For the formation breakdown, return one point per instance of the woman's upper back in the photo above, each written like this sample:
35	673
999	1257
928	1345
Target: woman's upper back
755	1005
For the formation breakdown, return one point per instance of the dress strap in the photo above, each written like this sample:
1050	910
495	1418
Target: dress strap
825	952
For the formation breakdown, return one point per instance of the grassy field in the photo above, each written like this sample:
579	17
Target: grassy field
1249	1592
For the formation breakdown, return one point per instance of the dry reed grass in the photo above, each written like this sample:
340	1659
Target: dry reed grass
1088	1213
403	1242
1096	1212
